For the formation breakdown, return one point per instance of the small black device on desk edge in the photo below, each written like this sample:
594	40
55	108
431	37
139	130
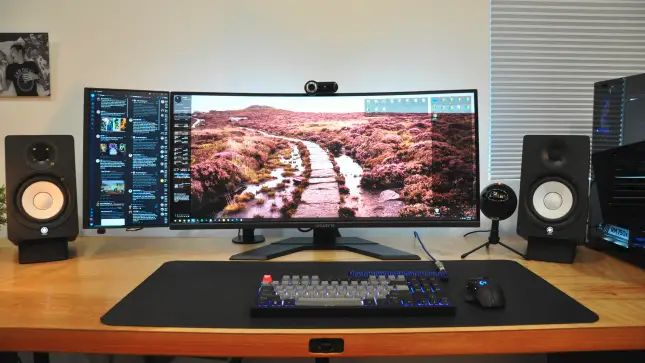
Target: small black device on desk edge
359	293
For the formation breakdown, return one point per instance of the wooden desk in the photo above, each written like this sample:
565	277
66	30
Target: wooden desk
56	306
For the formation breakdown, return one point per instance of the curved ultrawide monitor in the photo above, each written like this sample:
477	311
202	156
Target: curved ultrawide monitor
344	160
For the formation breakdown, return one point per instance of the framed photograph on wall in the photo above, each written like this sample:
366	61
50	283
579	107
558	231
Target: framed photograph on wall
24	64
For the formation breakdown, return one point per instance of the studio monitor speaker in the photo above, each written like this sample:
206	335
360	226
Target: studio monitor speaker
41	196
554	187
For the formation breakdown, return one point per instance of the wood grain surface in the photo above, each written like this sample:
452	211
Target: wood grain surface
56	306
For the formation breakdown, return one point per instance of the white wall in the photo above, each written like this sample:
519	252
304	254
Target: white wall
246	46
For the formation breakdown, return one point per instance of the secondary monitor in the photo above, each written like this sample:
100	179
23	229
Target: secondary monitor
125	158
343	160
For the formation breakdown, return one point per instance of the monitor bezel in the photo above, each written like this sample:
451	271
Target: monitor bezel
320	223
86	161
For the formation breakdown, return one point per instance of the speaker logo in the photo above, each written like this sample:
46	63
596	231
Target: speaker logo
497	195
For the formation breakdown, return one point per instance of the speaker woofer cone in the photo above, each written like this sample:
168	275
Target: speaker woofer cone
41	200
552	200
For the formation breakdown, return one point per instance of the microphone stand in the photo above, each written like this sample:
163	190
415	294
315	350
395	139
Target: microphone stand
493	239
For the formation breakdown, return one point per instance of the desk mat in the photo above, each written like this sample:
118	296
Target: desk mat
207	294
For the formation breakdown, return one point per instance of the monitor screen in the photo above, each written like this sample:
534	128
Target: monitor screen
125	153
276	160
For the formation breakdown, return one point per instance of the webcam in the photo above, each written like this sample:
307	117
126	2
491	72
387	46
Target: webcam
320	88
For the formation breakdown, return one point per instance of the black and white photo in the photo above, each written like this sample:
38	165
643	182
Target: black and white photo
24	64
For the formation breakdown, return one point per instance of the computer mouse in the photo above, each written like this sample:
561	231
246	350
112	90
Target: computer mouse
485	293
490	296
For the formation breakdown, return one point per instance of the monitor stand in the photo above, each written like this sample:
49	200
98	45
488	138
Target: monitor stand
248	237
325	239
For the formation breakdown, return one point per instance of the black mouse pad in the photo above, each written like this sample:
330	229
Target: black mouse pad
204	294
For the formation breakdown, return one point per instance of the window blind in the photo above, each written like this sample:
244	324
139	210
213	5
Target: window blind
545	58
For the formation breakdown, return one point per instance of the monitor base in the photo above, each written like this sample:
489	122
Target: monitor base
324	239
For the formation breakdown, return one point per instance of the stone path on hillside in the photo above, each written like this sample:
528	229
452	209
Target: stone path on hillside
321	197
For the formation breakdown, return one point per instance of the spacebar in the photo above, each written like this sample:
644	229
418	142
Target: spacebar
314	301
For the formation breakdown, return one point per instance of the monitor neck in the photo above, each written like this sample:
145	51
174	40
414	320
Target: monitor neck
325	236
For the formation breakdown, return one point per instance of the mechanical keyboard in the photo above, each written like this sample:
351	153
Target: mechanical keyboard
376	293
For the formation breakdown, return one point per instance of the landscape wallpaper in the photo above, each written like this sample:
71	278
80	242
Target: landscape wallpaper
326	158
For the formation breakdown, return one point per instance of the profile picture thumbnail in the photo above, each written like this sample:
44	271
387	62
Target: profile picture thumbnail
114	124
113	187
112	148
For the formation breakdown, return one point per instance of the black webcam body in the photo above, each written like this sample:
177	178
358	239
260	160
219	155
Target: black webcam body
320	88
